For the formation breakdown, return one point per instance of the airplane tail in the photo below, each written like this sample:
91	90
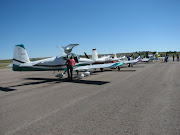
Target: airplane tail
94	55
20	56
115	56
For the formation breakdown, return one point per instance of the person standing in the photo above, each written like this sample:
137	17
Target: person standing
70	64
165	58
173	56
177	56
129	60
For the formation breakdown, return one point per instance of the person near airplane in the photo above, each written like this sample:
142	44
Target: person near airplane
70	64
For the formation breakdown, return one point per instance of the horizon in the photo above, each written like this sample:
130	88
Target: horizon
170	52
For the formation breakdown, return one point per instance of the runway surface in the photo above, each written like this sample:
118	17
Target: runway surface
143	100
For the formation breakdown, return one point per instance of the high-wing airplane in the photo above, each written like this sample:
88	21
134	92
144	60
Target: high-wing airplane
21	61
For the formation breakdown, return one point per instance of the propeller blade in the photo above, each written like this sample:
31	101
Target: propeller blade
131	55
86	55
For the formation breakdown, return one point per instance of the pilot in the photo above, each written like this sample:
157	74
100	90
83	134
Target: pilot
70	63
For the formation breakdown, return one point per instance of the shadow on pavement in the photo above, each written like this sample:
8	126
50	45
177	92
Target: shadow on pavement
88	82
6	89
39	81
53	81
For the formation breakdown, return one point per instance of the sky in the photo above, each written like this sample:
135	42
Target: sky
110	26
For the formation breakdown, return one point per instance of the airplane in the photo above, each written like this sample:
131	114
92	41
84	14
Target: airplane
148	57
108	59
144	60
140	59
122	57
103	59
21	61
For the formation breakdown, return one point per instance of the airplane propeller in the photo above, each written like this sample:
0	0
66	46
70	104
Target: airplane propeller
131	55
86	55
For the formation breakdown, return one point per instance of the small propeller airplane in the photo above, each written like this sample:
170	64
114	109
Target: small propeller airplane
21	62
143	59
108	59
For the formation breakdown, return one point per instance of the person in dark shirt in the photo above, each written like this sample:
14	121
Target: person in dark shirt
173	56
177	56
129	60
70	63
165	58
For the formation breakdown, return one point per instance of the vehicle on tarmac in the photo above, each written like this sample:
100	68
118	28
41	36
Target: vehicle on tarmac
109	59
21	61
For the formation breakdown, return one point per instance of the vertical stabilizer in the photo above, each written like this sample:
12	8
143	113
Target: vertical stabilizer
115	56
94	55
20	56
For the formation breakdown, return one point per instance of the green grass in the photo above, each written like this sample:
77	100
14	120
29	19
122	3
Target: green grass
4	63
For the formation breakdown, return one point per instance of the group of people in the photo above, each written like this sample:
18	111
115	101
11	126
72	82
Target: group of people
71	62
177	55
166	56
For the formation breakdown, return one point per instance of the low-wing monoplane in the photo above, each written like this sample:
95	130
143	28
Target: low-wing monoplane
21	61
109	59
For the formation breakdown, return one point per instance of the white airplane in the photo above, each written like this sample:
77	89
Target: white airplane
122	57
103	59
109	59
21	61
144	60
140	59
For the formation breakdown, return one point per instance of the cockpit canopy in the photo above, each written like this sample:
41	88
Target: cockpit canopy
69	48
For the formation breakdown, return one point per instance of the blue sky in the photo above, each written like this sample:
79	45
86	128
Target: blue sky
110	26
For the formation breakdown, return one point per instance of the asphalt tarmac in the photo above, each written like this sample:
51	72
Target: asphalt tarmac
142	100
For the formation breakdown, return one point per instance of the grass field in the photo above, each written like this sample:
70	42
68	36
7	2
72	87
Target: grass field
4	63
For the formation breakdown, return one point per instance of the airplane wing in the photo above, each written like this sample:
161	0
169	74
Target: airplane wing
109	65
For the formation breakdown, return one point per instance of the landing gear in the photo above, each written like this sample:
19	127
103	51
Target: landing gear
130	65
101	69
77	72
